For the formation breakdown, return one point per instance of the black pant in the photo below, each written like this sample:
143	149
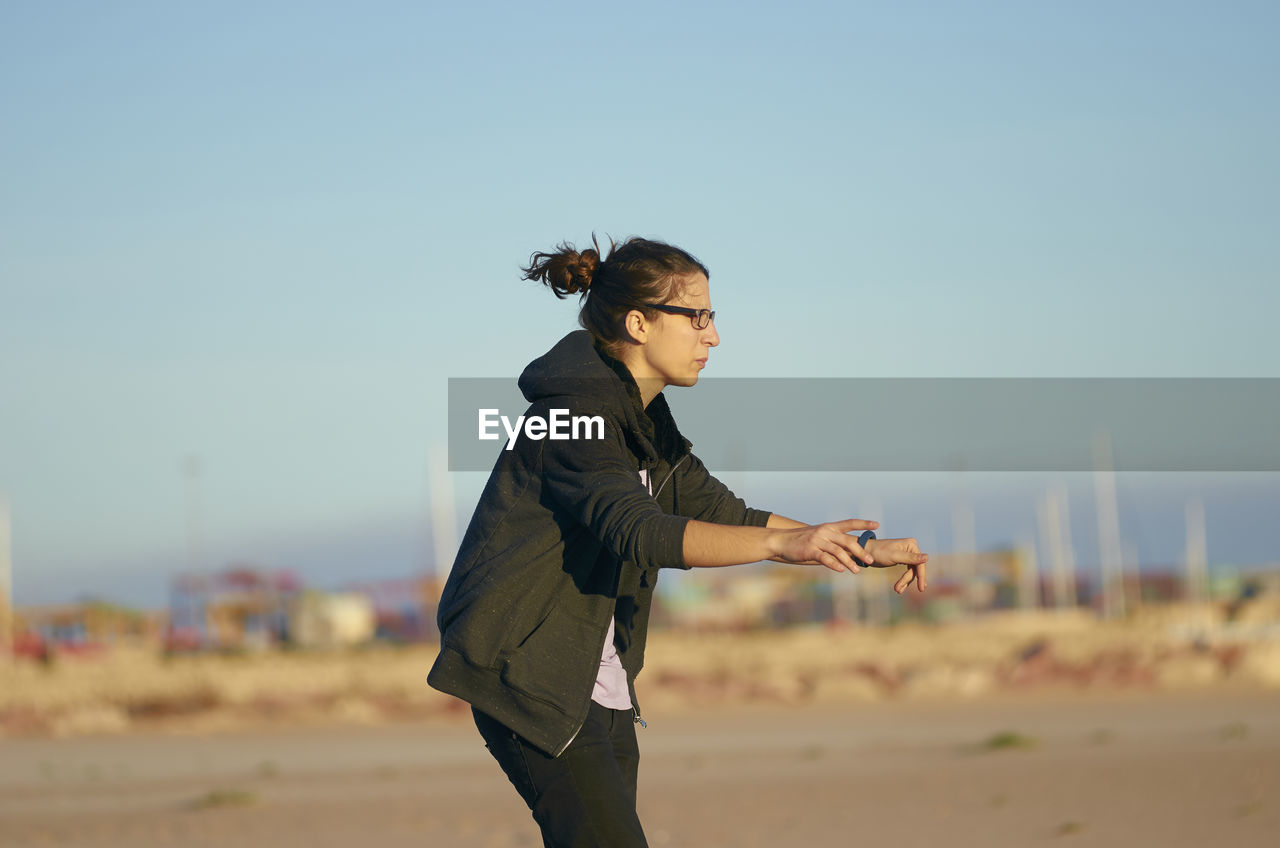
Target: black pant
587	795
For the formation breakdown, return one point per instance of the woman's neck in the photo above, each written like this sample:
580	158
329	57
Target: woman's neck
650	384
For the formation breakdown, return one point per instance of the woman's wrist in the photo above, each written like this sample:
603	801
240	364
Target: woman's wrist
773	542
712	545
866	541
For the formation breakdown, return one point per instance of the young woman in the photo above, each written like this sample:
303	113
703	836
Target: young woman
544	615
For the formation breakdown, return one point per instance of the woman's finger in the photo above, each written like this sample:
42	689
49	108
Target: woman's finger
854	549
855	524
904	581
845	559
890	555
921	583
830	561
857	551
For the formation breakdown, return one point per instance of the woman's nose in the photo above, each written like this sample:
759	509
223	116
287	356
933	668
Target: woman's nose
710	336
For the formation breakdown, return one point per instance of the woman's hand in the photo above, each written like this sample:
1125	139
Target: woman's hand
891	552
824	544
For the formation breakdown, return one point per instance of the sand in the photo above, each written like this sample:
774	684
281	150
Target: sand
1130	768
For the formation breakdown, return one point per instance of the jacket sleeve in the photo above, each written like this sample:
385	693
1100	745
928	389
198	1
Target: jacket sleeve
595	482
705	498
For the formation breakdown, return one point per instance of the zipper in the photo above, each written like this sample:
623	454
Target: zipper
635	706
670	473
583	723
599	651
634	709
571	738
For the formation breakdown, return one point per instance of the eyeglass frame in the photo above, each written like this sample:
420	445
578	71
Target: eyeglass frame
694	314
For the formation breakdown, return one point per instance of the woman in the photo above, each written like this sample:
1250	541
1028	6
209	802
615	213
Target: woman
544	615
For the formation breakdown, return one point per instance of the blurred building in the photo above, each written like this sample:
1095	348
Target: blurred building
242	608
713	600
82	629
324	620
404	609
961	585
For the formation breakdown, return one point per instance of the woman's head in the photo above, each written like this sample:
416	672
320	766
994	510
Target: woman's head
618	297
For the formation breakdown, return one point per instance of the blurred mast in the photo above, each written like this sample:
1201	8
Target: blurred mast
1028	573
444	527
191	472
1055	529
1197	555
1129	553
1109	554
6	582
964	546
877	595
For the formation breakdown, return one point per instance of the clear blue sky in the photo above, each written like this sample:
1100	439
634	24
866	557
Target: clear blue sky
267	236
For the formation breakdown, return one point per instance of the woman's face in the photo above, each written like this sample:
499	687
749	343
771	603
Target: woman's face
675	351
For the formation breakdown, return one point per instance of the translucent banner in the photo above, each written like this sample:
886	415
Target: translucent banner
925	424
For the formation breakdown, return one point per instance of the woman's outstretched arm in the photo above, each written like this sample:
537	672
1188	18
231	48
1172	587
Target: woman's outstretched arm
708	545
784	534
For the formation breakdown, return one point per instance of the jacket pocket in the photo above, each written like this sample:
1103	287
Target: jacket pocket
555	661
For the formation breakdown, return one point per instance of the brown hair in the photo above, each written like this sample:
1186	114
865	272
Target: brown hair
636	272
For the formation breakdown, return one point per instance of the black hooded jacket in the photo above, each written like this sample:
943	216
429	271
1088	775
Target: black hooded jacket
564	536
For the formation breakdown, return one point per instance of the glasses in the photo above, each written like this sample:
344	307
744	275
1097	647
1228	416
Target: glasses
700	317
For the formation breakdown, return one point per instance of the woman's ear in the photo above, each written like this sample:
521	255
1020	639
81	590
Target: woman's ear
636	326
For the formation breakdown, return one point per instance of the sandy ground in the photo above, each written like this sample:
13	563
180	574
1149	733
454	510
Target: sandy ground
1088	769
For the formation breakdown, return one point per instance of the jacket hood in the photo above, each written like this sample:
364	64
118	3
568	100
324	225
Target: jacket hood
577	367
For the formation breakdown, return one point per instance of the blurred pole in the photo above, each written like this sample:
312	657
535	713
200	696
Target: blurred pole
1067	552
848	592
1055	529
964	546
1110	570
6	582
180	600
1197	555
1129	561
1048	543
1028	574
191	472
877	594
846	597
444	527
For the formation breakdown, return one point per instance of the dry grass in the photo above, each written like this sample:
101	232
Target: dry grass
128	688
216	798
1009	740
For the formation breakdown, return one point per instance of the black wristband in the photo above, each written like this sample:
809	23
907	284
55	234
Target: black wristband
867	536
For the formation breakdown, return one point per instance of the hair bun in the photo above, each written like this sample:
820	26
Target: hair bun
580	270
566	271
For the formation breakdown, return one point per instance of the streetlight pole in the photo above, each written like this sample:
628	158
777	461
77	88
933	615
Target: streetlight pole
6	582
